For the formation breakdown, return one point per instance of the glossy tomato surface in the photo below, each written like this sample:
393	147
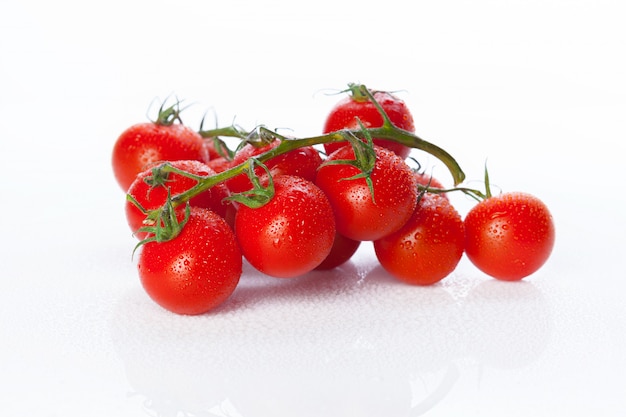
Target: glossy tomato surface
302	162
428	247
291	234
358	214
509	236
342	250
197	270
347	113
152	197
146	143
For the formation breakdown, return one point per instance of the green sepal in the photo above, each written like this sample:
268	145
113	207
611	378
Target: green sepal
364	157
162	224
259	195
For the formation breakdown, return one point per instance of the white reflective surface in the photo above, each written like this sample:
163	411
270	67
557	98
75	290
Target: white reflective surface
534	88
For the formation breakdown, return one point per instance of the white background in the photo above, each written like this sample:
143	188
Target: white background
537	89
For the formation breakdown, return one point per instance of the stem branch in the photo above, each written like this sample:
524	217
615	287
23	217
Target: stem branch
387	131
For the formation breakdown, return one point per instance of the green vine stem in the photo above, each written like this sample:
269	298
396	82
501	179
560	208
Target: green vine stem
263	135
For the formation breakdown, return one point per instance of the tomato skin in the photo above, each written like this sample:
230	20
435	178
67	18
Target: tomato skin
153	198
145	143
302	162
428	247
357	216
509	236
196	271
429	181
347	112
342	250
291	234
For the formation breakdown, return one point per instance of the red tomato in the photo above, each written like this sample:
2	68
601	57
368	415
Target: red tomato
291	234
302	162
212	149
220	164
509	236
342	250
197	270
152	198
428	247
357	215
357	106
429	181
145	143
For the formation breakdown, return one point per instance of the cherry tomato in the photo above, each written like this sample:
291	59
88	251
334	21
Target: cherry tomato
145	143
291	234
347	112
357	214
429	181
428	247
342	250
302	162
197	270
509	236
220	164
152	197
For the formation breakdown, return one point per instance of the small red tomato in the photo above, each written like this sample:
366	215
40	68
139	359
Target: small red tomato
342	250
509	236
197	270
152	197
220	164
145	143
347	113
428	247
302	162
429	181
359	216
291	234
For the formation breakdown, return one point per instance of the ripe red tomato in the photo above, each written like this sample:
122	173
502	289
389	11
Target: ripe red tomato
342	250
358	106
197	270
152	198
509	236
357	215
291	234
429	181
302	162
428	247
145	143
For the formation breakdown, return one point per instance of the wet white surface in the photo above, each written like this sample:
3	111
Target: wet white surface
534	88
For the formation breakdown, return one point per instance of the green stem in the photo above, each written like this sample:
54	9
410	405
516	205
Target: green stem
387	131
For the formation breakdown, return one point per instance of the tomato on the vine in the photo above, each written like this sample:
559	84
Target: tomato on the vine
509	236
145	143
358	107
428	247
292	233
302	162
429	181
151	193
359	214
197	270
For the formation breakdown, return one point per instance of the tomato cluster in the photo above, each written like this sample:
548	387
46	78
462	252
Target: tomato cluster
288	207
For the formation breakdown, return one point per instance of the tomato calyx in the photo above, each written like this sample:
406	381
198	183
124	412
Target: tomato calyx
168	116
364	158
162	224
359	92
260	194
